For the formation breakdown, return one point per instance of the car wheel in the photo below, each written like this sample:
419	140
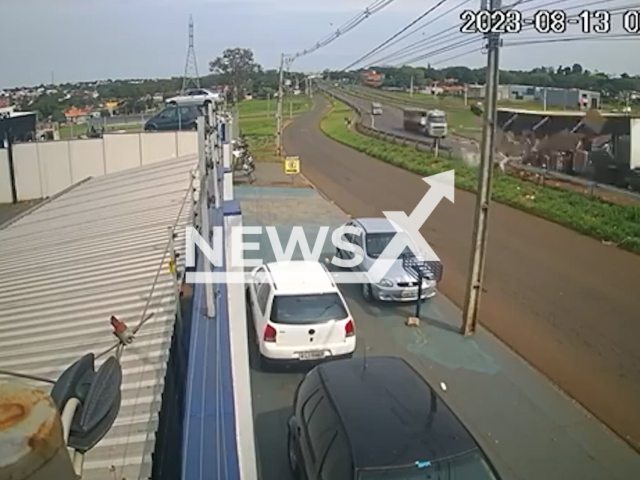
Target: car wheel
294	464
152	128
366	292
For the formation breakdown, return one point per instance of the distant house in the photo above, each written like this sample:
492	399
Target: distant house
371	78
77	115
452	89
111	106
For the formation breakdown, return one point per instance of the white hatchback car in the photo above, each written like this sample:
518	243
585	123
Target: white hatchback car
299	314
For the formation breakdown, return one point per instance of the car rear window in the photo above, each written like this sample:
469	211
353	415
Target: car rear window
306	309
471	465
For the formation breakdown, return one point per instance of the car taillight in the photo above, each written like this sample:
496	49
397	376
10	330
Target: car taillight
349	329
269	334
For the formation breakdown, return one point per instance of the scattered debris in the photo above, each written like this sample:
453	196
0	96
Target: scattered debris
443	386
412	322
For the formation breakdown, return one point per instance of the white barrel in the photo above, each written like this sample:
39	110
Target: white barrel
31	440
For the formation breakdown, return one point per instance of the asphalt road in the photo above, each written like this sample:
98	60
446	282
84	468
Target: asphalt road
391	121
567	303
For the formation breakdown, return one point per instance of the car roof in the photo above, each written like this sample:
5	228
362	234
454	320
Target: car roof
376	224
300	277
391	415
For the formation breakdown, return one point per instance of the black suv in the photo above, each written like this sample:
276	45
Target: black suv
174	118
378	419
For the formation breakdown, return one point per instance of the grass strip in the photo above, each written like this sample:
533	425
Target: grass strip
596	218
258	123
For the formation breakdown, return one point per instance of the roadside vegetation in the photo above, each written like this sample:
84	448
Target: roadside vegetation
604	221
258	123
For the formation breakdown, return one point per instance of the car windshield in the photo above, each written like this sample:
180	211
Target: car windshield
467	466
377	242
437	119
307	309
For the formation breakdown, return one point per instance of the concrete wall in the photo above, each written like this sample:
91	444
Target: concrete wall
634	158
5	182
43	169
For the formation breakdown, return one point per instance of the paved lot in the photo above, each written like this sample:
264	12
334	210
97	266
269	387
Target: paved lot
565	302
9	211
531	429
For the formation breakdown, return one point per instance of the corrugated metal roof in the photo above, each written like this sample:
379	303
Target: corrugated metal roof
72	263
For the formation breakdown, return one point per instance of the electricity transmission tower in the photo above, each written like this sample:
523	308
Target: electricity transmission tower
191	77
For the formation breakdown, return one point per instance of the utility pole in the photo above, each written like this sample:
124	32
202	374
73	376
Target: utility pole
466	95
279	109
544	98
411	87
479	243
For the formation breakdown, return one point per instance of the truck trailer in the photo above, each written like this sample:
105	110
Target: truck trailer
431	123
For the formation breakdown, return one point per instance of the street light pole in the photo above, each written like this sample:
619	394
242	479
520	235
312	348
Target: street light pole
479	244
279	108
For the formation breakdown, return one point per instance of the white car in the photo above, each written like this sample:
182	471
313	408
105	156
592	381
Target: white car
195	97
299	314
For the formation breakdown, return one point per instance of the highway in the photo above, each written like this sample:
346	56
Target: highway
566	303
391	121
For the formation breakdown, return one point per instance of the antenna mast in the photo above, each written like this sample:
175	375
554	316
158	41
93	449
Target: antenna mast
191	77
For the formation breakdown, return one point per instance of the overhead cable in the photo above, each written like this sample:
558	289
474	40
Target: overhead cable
404	29
345	28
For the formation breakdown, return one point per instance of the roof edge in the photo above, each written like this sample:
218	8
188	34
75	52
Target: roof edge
45	201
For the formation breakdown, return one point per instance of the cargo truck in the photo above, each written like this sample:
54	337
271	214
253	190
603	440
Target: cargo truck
431	123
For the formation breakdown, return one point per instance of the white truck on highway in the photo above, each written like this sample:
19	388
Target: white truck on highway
432	123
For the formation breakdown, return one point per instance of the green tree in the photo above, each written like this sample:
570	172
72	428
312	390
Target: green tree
236	67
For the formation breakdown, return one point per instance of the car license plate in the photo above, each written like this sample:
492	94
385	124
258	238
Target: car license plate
311	355
408	294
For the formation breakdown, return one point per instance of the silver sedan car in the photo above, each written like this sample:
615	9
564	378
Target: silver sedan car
399	284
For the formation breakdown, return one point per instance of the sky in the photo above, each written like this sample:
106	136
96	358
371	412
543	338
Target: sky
76	40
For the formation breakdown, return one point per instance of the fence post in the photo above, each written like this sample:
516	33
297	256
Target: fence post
173	268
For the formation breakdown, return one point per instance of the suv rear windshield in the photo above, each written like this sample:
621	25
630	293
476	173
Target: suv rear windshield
306	309
470	465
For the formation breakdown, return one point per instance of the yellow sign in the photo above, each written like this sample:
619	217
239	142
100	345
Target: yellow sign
292	165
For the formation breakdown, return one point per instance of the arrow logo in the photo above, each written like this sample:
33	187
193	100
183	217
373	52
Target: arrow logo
408	228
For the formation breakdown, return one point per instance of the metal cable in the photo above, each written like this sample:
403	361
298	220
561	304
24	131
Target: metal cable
347	27
459	43
415	47
144	318
25	375
388	40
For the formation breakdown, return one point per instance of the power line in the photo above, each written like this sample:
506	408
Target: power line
415	47
461	43
367	55
531	41
406	35
373	8
345	28
453	29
